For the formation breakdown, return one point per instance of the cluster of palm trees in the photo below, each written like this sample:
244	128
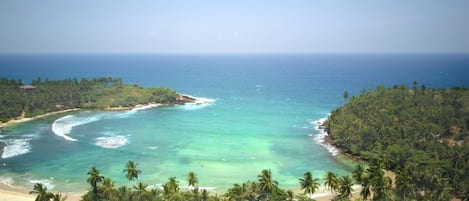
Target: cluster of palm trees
374	182
43	195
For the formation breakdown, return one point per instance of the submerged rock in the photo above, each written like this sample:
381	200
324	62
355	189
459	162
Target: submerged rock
2	146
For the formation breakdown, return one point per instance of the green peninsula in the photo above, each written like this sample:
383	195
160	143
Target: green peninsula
418	133
44	96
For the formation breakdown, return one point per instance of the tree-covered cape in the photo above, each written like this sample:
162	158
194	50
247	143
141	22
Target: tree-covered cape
45	96
420	132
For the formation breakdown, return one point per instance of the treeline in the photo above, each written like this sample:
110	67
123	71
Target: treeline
375	185
421	135
45	95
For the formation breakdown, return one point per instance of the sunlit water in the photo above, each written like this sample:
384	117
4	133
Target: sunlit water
260	112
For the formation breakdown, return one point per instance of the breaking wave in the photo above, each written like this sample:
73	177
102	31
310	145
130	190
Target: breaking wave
320	137
16	147
46	182
200	102
111	142
64	125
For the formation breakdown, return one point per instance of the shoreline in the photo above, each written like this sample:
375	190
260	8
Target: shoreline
182	99
26	119
19	193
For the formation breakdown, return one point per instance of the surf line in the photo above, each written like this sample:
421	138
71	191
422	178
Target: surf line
63	126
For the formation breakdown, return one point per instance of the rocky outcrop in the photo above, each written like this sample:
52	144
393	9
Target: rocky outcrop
2	146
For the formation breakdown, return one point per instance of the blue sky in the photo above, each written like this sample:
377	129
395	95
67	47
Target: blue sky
241	26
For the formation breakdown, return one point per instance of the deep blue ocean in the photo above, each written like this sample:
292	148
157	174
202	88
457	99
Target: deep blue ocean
263	115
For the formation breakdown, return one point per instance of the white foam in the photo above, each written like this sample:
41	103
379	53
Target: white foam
153	147
135	110
320	137
64	125
16	147
46	182
208	188
199	102
112	142
7	181
145	107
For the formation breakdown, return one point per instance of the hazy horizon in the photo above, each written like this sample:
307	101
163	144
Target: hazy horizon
233	27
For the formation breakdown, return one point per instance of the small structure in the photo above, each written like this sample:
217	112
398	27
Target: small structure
27	87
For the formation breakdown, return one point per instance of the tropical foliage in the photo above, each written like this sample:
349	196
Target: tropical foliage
54	95
420	134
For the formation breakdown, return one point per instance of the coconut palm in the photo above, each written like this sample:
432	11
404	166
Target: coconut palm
365	193
345	186
192	180
131	171
290	195
331	181
41	191
405	187
58	197
172	186
124	193
171	189
204	195
357	173
266	184
141	190
309	184
107	188
93	180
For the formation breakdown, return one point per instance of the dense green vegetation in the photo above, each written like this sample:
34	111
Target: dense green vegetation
55	95
266	188
420	134
415	142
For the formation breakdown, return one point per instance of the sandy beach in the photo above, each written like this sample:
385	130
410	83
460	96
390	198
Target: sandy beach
13	193
16	193
10	193
23	119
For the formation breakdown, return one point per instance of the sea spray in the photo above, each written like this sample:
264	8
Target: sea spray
111	142
320	138
16	147
199	102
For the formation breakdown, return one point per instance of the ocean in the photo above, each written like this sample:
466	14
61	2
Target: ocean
261	113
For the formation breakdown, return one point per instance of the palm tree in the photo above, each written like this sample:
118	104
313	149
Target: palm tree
204	195
266	184
345	186
93	180
366	188
58	197
107	189
331	181
405	187
131	171
309	184
41	191
141	190
171	189
171	186
192	180
124	193
290	195
357	173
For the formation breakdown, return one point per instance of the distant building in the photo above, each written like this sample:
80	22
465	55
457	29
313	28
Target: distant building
27	87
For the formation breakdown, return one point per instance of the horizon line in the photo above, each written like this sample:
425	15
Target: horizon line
225	53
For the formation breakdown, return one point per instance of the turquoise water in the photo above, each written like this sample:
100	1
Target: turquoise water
262	116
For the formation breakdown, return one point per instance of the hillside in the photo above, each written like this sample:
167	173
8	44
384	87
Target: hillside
421	134
44	96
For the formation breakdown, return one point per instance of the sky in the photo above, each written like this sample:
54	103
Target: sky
238	26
